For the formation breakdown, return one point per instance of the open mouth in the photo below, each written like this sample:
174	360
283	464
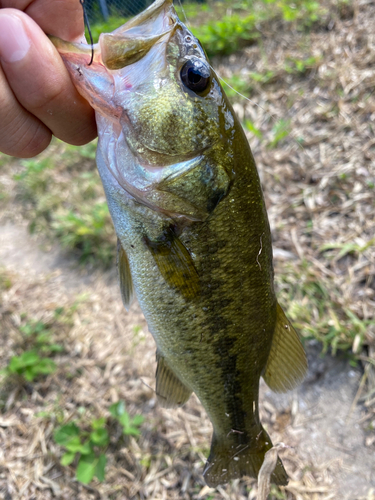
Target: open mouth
129	43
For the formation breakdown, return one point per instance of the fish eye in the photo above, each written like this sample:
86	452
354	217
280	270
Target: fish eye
196	75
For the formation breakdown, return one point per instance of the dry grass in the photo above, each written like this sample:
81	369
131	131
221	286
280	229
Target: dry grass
319	181
319	187
104	361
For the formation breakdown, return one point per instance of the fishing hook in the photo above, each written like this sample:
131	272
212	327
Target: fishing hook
87	24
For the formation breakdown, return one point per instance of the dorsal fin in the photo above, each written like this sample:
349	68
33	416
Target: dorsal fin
287	364
125	277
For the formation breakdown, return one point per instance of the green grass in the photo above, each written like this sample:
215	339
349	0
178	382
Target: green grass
63	197
37	345
108	26
232	25
5	280
227	35
301	66
87	443
280	131
314	304
223	27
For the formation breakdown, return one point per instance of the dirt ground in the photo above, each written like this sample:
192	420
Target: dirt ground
320	421
319	189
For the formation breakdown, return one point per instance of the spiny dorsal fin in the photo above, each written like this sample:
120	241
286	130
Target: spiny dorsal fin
175	263
170	390
125	278
287	364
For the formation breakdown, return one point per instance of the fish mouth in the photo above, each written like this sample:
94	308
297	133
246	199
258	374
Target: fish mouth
128	43
132	41
164	7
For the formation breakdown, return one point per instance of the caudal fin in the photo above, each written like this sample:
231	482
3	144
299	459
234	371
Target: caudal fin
231	460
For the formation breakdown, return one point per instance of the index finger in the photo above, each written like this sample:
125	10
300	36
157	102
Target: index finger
62	18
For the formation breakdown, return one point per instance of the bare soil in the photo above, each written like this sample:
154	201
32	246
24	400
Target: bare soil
319	188
320	422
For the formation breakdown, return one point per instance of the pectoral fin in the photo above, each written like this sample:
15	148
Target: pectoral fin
170	390
175	263
125	278
287	364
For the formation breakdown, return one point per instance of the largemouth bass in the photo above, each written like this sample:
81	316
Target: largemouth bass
194	239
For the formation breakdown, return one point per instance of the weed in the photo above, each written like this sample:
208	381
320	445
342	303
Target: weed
236	84
3	194
264	78
84	231
64	198
280	130
5	280
91	462
29	365
5	160
349	247
228	34
235	27
35	361
313	305
301	66
130	426
303	12
37	346
277	493
112	23
252	128
39	334
89	447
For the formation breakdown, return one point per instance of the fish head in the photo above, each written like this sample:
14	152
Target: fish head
161	112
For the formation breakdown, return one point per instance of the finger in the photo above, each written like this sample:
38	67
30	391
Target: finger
21	134
62	18
40	81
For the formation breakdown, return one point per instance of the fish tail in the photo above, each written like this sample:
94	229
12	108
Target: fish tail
229	459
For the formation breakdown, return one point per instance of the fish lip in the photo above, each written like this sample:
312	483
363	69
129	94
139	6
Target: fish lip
153	10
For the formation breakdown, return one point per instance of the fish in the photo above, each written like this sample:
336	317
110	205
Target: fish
194	242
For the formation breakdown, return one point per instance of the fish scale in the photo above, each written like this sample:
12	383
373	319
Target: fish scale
194	238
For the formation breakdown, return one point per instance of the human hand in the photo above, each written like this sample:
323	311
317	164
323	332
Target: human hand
37	97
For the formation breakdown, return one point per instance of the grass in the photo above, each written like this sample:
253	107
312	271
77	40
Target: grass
86	443
75	214
108	26
315	306
37	345
5	280
63	197
321	192
224	27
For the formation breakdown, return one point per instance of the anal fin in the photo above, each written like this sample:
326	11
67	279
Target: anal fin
125	277
287	364
170	390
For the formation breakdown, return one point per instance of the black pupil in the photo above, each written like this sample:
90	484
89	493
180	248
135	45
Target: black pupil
195	75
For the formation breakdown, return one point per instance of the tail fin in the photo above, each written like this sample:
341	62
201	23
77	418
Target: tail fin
230	460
